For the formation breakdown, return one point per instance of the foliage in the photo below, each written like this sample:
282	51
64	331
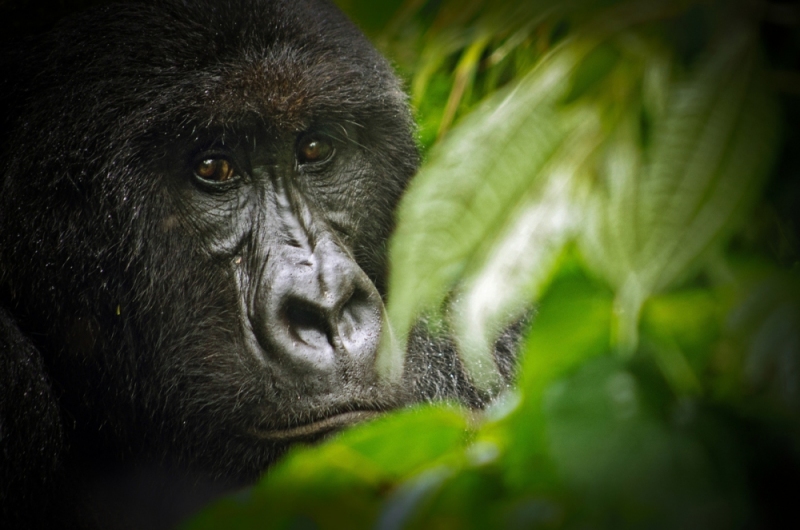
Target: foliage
606	160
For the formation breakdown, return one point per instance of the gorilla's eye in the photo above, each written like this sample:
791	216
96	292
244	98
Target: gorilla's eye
215	170
314	149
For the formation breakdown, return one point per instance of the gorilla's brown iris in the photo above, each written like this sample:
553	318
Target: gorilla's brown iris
214	170
314	149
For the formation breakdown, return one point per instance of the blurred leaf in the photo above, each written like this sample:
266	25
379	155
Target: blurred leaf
594	67
679	329
662	212
464	76
520	260
481	181
340	484
767	327
370	16
463	501
692	317
405	501
629	467
439	430
572	325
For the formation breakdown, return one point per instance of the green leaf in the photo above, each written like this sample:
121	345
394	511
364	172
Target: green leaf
516	265
405	502
679	330
629	467
572	325
766	326
593	69
370	16
661	215
482	183
342	483
438	431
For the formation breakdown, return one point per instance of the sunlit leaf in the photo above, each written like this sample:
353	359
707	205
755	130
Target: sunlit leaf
519	261
341	484
475	183
369	452
439	431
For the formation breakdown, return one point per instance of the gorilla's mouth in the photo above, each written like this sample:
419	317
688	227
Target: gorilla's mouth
316	429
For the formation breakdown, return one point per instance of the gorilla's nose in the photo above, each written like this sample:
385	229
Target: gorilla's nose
324	312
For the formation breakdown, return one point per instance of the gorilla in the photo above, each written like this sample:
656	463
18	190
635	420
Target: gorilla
196	200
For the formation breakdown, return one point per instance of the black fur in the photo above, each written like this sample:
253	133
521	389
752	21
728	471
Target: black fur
131	296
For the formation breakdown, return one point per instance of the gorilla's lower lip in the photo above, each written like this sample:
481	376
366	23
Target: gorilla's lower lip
318	428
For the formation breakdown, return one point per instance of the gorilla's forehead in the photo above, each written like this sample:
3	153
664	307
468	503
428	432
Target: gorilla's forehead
314	61
288	90
281	60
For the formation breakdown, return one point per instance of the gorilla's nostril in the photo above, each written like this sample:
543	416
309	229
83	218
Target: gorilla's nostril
307	323
354	306
359	323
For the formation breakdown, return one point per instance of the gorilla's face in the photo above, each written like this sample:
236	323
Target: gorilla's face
216	188
274	233
264	258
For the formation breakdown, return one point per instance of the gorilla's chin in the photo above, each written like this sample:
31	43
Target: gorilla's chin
318	429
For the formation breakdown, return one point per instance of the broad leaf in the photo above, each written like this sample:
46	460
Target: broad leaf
664	210
489	175
572	325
